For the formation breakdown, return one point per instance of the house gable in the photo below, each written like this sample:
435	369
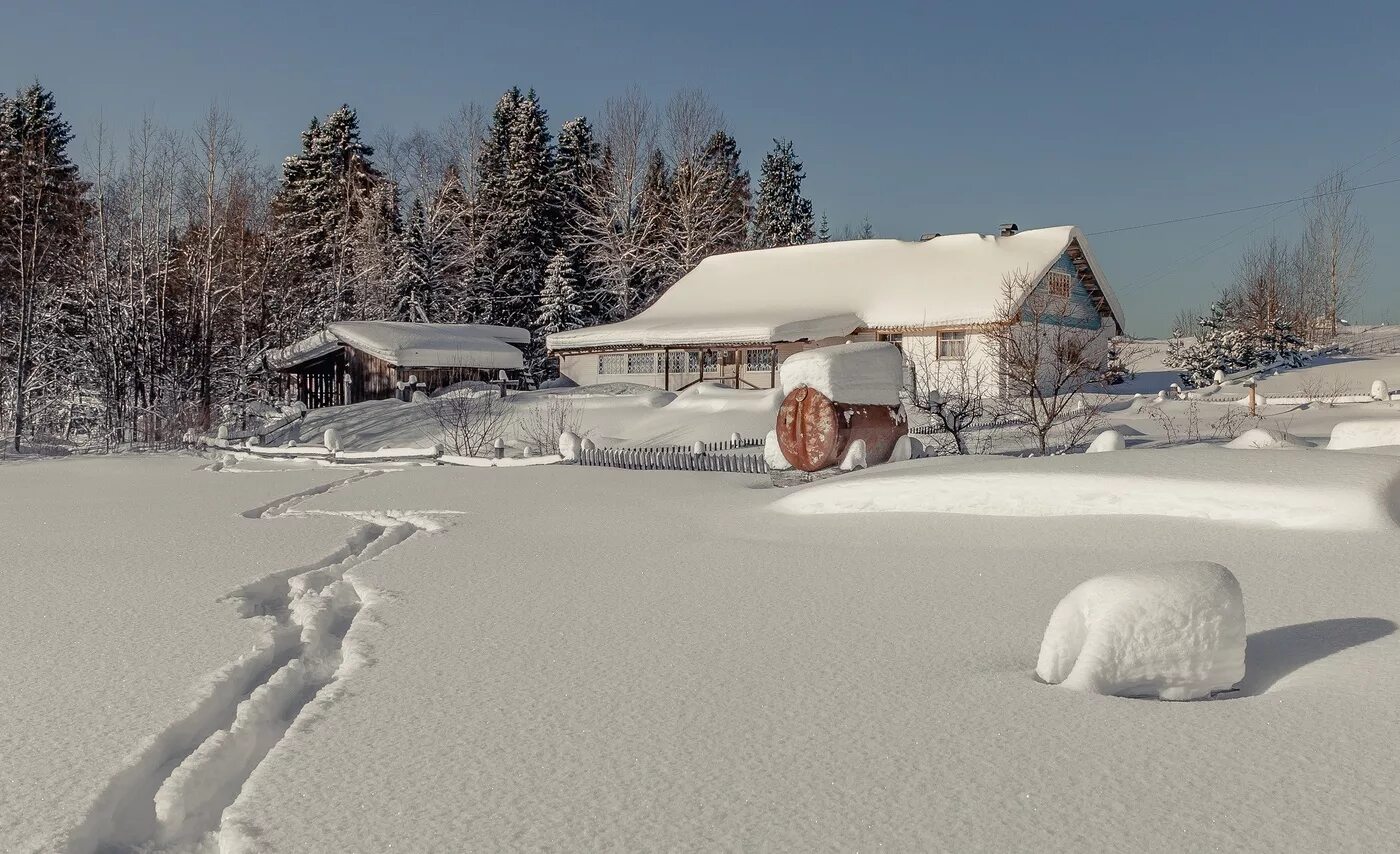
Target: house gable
1081	311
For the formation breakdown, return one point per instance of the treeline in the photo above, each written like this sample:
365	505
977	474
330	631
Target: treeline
1285	296
135	294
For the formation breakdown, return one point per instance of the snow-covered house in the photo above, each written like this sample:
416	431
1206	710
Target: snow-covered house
355	360
735	317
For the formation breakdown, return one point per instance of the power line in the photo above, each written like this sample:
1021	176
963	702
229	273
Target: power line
1240	210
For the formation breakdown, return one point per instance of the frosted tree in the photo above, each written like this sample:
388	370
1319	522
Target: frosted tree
709	205
613	233
824	230
517	212
782	215
577	165
42	225
559	307
656	232
333	200
418	278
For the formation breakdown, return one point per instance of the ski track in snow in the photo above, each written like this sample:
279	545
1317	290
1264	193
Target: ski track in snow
172	794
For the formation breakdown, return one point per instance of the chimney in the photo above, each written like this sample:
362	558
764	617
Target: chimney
1008	229
927	237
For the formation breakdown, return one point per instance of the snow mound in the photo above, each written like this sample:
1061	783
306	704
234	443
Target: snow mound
1264	438
1176	632
855	456
868	372
1108	440
906	448
1297	491
1373	433
773	454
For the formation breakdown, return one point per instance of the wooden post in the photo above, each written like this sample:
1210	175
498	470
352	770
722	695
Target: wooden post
773	368
1252	401
666	357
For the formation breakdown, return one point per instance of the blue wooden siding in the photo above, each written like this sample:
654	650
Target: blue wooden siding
1082	313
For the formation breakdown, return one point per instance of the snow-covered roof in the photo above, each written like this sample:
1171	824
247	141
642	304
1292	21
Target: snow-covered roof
411	345
823	290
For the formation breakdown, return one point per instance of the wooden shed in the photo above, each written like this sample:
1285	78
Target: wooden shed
354	361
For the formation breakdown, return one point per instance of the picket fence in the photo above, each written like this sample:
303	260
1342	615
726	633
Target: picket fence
674	458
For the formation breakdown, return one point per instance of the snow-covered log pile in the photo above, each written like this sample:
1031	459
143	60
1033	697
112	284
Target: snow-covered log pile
1176	632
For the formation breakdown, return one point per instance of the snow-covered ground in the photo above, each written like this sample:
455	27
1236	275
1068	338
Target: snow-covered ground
274	655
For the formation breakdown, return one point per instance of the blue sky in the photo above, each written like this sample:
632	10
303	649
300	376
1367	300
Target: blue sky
921	116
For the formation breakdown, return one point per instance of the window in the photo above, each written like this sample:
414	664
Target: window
641	363
1058	284
758	360
685	362
611	364
952	345
711	360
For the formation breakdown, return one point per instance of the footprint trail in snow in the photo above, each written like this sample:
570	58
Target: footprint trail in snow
173	797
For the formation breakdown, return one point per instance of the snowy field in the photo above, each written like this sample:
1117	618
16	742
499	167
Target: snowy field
283	656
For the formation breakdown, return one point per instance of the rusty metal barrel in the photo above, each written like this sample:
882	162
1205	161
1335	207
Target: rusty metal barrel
814	431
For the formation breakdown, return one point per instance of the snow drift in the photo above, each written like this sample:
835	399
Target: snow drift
1264	438
1297	491
1176	632
1373	433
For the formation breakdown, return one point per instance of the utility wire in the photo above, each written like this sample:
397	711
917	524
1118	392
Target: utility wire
1239	210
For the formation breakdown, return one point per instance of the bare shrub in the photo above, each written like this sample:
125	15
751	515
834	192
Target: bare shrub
540	426
1046	365
1171	432
1324	389
469	423
956	395
1231	424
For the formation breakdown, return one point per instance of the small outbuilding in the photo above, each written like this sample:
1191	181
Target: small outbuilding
357	360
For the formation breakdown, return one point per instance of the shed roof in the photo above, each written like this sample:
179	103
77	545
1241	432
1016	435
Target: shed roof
411	345
823	290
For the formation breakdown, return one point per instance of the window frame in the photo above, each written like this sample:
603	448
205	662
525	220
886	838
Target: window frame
617	359
767	360
959	336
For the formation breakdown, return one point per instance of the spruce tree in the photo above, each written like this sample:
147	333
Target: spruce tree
824	230
782	217
531	214
417	273
43	219
559	307
577	164
655	233
337	218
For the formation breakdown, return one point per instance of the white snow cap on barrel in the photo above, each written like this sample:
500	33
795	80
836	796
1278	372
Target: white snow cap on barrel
869	372
1174	631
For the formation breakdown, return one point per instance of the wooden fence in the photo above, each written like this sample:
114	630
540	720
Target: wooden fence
673	459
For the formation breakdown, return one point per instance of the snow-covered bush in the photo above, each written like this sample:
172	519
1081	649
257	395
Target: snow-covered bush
1117	365
469	423
1226	346
1380	390
1175	631
331	439
541	422
569	445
